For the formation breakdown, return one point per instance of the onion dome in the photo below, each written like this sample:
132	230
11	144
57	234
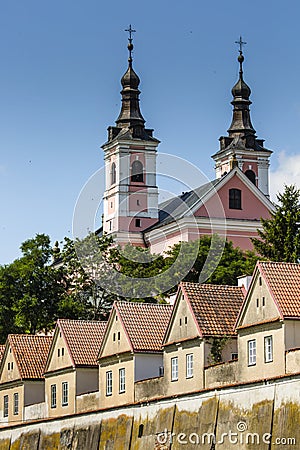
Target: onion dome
241	89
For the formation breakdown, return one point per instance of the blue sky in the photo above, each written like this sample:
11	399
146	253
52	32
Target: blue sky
61	64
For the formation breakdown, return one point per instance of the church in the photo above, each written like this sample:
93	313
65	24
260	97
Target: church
231	205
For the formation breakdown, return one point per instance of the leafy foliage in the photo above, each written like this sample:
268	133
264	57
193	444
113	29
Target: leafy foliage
88	275
280	237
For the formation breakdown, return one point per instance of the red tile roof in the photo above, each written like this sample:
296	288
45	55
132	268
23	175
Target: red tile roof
83	338
145	324
2	348
215	307
283	280
30	352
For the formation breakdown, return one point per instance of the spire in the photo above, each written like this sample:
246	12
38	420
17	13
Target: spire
130	124
241	122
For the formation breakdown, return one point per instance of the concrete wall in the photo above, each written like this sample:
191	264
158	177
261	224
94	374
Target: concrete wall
147	389
87	402
37	411
242	417
221	374
292	361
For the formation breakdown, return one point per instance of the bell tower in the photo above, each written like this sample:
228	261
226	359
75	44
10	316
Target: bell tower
241	147
131	195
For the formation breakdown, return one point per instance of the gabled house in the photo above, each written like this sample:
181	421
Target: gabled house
131	349
268	324
200	333
21	374
72	368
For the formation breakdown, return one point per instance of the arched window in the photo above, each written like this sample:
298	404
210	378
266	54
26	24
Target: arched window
137	172
235	199
113	175
251	175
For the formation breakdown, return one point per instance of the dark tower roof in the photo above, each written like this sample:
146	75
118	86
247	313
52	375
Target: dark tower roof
241	134
241	121
130	124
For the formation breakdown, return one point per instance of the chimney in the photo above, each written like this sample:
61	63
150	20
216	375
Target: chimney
244	280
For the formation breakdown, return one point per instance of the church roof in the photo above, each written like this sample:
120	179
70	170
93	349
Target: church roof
181	205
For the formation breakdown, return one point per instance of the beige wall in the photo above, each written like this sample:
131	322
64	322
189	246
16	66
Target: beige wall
112	345
10	391
183	325
58	379
292	334
11	374
58	362
184	384
261	369
260	313
114	364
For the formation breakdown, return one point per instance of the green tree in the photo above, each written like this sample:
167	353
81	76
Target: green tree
233	262
30	289
84	265
279	240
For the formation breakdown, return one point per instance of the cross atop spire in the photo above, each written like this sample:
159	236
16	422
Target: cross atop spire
241	44
130	44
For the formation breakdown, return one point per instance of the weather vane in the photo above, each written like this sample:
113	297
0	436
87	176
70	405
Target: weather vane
130	44
241	43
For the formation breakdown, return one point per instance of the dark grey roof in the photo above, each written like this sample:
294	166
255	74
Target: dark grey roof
180	206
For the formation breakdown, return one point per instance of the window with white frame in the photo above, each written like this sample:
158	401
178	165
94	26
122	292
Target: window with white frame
5	406
189	365
174	368
252	352
109	382
268	349
53	395
64	393
121	380
16	403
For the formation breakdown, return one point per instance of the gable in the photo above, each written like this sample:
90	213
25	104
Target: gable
9	367
115	340
59	355
252	207
182	324
259	305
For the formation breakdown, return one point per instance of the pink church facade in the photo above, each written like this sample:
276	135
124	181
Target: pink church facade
231	205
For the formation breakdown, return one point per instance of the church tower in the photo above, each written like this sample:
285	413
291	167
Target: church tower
241	147
131	194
